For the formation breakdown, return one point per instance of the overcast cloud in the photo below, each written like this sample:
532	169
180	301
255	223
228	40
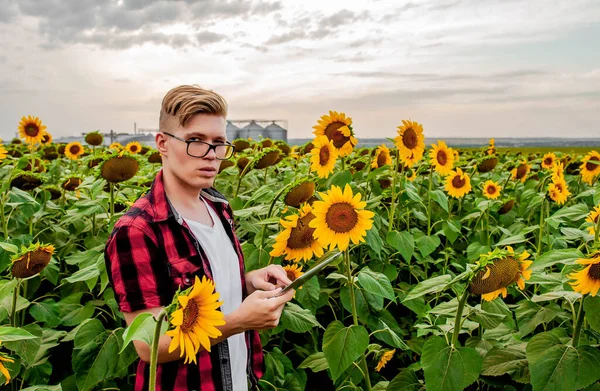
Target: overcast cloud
462	68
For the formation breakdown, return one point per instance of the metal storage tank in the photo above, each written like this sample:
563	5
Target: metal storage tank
232	131
253	131
276	132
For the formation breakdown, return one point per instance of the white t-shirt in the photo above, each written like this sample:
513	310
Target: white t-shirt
225	268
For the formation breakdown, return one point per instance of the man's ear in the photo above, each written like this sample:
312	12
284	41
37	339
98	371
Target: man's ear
161	143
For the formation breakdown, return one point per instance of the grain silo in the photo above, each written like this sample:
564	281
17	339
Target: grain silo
276	132
232	131
253	131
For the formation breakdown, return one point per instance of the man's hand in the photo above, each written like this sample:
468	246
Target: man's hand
260	310
267	279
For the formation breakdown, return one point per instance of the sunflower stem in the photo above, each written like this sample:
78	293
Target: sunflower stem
13	308
264	228
429	202
541	232
4	219
112	199
246	168
458	318
154	352
597	233
393	204
354	314
580	317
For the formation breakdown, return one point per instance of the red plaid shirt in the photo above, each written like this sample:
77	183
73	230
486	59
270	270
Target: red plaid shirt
150	253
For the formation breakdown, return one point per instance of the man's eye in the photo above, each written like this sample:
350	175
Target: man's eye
193	139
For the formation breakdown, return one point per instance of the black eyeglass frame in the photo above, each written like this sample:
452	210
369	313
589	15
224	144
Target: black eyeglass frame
210	146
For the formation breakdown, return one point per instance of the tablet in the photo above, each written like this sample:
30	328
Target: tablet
324	261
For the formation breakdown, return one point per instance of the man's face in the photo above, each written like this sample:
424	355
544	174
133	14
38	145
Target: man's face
192	171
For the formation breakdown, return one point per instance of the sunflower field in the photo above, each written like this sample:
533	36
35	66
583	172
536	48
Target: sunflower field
461	269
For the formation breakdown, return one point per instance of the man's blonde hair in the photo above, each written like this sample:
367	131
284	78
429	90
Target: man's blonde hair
185	101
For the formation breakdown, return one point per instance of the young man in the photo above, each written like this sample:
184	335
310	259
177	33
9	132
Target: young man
183	228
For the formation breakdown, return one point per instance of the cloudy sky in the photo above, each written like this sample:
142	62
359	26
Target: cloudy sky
461	68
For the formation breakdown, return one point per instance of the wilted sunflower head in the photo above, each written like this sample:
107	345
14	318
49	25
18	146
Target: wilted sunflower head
381	157
242	162
487	164
133	147
26	180
266	143
119	168
323	157
72	183
384	182
94	161
283	147
491	190
297	240
458	183
240	144
94	138
225	164
299	193
55	193
266	158
16	141
50	153
410	142
307	148
38	166
74	150
14	152
549	160
31	130
358	165
587	280
499	269
506	207
442	158
337	128
521	171
155	158
31	260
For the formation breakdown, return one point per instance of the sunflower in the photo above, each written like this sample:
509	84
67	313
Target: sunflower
242	163
337	128
506	207
32	260
74	150
299	193
384	359
340	217
195	319
323	156
72	183
587	280
488	164
133	147
94	138
293	272
411	142
3	369
382	157
119	168
411	174
491	149
297	240
31	129
558	191
155	157
456	155
267	158
593	218
442	158
116	146
47	138
240	145
458	183
590	167
521	171
3	152
501	268
549	160
26	180
491	190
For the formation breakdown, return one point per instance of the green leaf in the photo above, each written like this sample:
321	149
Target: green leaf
591	305
73	314
376	283
449	368
87	273
475	249
316	362
308	296
11	248
403	242
389	336
558	367
343	345
432	285
8	334
46	312
488	320
142	329
340	179
451	229
511	240
568	214
406	380
499	307
530	315
553	295
27	348
552	257
298	319
427	244
500	361
373	240
441	198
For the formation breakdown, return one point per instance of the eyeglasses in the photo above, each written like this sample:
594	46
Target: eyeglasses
199	149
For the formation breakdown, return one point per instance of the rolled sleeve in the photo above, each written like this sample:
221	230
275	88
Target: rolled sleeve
131	261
